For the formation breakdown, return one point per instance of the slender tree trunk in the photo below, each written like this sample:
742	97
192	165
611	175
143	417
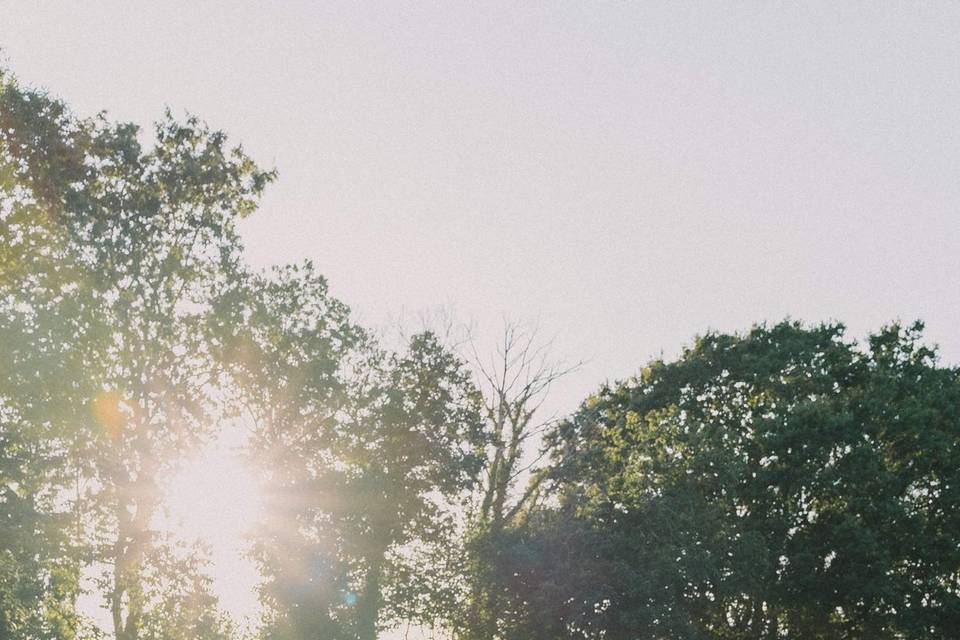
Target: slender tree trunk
368	609
116	606
128	554
119	581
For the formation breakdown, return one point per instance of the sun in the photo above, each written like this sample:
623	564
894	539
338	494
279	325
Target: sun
217	498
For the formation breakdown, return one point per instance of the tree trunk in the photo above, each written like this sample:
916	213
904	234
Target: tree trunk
119	582
116	607
368	609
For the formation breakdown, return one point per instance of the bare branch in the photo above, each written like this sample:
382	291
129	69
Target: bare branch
515	380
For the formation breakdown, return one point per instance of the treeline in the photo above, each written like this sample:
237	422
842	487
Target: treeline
783	483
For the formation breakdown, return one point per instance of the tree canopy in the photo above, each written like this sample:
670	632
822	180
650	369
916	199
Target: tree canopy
784	483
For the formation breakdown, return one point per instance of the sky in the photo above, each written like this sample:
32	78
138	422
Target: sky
630	174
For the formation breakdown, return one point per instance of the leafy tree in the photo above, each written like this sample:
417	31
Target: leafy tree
363	448
419	429
42	388
288	347
181	603
119	249
37	575
781	484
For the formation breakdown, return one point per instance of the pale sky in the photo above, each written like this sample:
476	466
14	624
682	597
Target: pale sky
630	173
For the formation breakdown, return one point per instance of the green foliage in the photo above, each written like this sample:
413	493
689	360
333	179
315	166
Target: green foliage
35	579
780	484
361	447
288	348
110	256
182	605
38	564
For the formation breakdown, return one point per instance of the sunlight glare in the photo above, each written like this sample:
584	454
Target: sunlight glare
217	499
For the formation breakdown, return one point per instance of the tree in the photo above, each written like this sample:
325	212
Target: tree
181	602
42	387
37	578
780	484
514	384
514	387
366	448
130	245
420	429
289	348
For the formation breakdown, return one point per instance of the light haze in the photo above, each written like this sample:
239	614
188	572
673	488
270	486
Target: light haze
631	174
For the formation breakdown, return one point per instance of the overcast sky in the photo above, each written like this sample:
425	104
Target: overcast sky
632	175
